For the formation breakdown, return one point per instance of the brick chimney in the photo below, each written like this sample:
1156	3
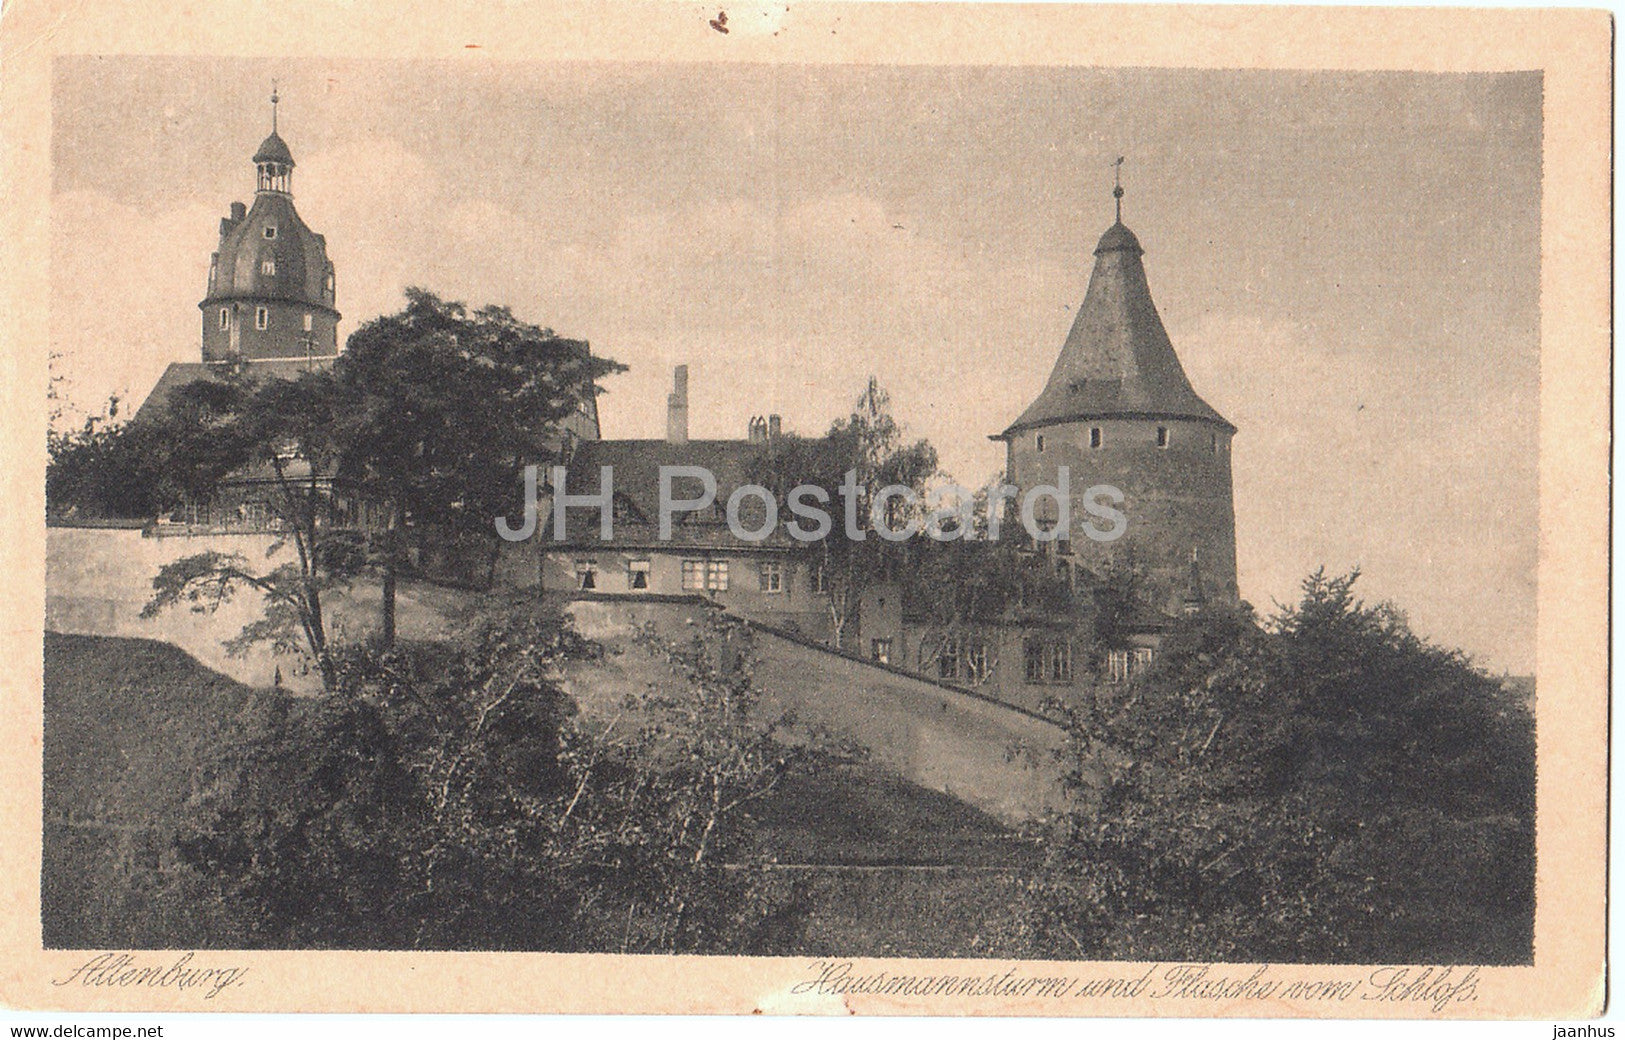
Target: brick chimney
772	427
677	407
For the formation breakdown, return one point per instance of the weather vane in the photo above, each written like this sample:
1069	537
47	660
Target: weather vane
1117	186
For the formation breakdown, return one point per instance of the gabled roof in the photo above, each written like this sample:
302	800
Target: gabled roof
636	464
1117	361
180	373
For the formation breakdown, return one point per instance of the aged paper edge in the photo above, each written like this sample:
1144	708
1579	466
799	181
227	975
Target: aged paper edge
1570	47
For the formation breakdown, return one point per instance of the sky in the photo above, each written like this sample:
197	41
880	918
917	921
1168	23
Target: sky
1347	263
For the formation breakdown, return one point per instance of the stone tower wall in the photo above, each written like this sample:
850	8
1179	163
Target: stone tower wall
1175	497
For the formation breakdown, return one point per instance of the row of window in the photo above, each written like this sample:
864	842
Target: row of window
262	318
698	576
1097	439
1044	660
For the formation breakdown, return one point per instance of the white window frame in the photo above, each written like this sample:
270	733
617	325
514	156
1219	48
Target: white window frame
693	575
270	231
771	573
310	321
268	266
1097	437
225	318
262	318
633	569
716	575
1164	437
586	575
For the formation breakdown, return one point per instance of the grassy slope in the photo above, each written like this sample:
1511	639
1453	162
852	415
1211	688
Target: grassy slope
131	726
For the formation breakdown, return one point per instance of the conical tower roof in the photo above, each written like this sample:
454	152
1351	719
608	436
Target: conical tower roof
1117	361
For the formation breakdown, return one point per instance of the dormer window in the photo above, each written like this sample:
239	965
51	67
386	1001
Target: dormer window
270	231
262	318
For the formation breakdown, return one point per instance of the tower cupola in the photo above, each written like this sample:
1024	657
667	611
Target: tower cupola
273	160
271	292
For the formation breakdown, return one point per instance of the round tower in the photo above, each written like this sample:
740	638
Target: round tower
271	287
1119	410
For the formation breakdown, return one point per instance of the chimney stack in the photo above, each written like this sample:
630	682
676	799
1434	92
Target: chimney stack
677	407
772	427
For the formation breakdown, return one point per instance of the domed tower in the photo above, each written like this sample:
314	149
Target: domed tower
271	292
1119	410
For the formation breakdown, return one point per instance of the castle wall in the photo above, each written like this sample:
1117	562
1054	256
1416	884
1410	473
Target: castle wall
1176	498
989	755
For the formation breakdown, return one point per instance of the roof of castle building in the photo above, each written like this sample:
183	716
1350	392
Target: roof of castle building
271	230
1117	361
180	373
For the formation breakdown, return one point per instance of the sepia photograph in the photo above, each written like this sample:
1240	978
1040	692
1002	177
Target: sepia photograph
1046	532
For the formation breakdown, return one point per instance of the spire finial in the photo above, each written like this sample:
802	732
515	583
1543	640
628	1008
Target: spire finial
274	99
1117	186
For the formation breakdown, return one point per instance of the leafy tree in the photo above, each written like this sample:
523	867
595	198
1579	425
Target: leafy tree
1313	788
869	444
448	406
106	468
452	798
286	431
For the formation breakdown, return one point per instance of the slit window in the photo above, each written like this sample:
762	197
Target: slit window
262	318
1213	443
1095	438
637	574
1040	444
1162	436
225	317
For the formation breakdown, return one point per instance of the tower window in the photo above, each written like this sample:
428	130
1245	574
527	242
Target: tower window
225	317
307	321
1213	443
1040	444
268	266
1162	436
270	231
262	318
1095	438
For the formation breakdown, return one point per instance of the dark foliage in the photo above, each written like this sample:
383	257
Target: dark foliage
1324	787
452	799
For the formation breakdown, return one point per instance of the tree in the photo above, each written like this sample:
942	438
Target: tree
869	444
448	406
288	431
1311	788
450	797
106	468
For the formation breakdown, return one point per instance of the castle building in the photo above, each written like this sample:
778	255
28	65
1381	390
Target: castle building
1119	410
271	286
270	302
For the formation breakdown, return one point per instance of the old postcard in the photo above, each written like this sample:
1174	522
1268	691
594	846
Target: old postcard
954	509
